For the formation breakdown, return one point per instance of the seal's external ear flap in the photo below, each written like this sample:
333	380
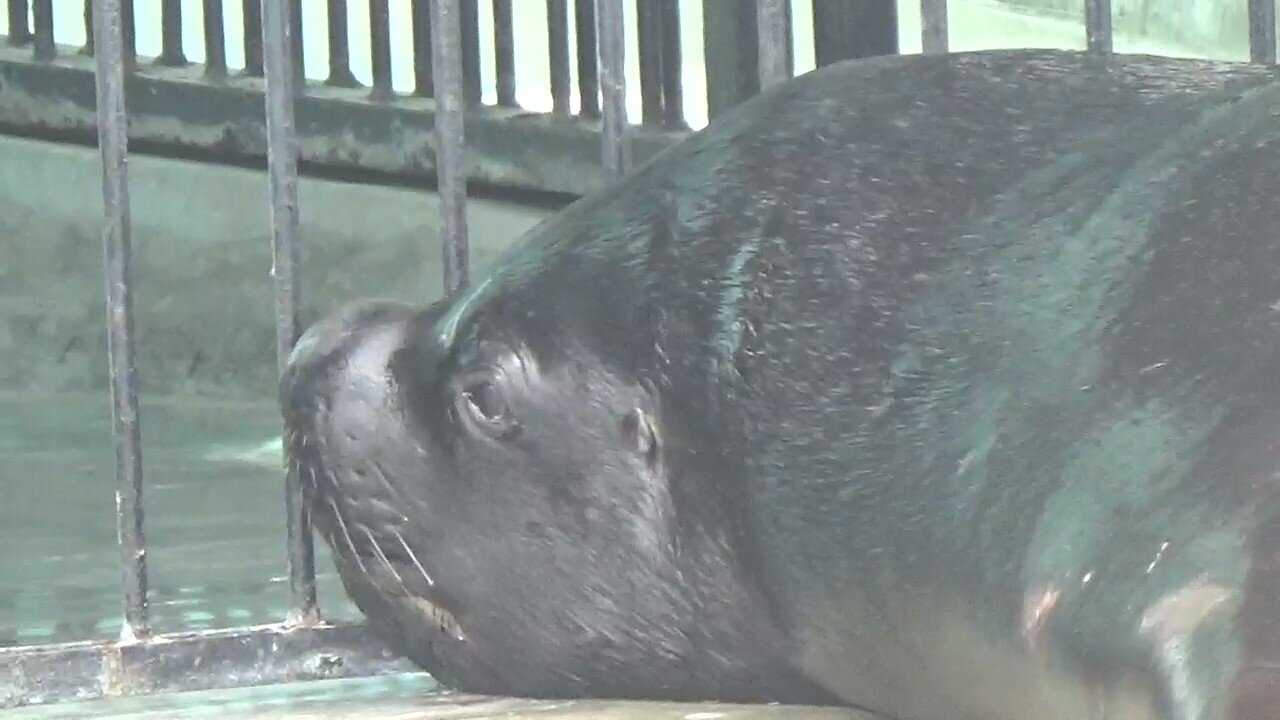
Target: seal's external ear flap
641	433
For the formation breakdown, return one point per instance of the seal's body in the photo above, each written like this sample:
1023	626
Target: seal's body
945	387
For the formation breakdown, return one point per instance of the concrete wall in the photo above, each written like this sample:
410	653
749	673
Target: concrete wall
202	264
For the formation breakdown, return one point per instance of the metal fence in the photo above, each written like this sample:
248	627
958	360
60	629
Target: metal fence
748	49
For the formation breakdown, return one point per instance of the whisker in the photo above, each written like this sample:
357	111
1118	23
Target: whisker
383	557
350	543
414	558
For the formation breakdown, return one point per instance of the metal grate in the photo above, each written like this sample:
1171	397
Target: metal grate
748	48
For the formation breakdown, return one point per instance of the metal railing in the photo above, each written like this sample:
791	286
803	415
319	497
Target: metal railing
303	646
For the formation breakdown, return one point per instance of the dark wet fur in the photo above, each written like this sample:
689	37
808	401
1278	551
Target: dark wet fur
922	340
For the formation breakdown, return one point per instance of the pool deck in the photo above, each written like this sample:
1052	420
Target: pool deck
400	697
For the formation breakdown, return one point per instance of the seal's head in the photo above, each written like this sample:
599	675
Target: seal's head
504	507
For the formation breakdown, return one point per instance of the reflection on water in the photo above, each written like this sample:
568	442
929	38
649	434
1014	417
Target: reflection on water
214	518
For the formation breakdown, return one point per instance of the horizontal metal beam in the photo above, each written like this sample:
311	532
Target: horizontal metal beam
206	660
337	127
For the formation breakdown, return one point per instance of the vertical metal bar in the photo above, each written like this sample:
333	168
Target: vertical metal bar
844	30
447	65
215	40
296	36
1097	25
672	64
423	82
1262	31
773	22
558	51
380	48
340	74
123	370
282	152
613	86
130	50
649	38
935	36
504	51
42	18
732	49
19	23
588	77
252	37
88	27
469	19
171	52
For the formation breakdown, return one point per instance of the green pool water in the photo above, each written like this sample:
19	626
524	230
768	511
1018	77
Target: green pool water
214	504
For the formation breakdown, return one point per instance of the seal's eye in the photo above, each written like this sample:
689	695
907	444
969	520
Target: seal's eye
481	403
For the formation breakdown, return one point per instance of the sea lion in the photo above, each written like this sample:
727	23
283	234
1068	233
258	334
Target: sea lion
940	386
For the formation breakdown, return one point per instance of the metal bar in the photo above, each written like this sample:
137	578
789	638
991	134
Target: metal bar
171	52
649	37
504	51
215	40
226	658
88	28
773	22
252	37
469	24
612	41
558	54
588	68
43	48
520	152
672	64
447	42
732	50
1262	31
117	256
19	23
340	74
282	168
1097	26
380	49
844	30
423	76
296	36
935	36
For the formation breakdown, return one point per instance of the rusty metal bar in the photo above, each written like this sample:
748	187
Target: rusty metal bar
588	71
282	168
504	51
171	52
1097	26
558	54
43	49
215	39
118	261
447	42
1262	31
252	37
380	49
934	35
340	74
773	23
19	23
423	80
612	43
